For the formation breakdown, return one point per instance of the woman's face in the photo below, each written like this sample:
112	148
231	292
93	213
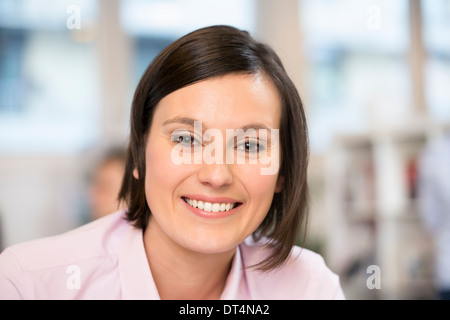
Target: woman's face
199	198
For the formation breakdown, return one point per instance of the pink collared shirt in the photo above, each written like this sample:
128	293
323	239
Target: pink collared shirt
105	259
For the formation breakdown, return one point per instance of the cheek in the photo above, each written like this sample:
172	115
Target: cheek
157	161
260	188
161	175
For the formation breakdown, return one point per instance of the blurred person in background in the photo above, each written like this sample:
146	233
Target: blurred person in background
106	182
434	201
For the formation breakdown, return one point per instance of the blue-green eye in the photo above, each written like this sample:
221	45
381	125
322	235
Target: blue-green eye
251	146
184	138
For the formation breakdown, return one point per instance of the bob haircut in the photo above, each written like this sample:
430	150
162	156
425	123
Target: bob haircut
206	53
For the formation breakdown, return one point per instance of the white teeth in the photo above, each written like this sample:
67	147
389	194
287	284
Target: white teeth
208	206
216	207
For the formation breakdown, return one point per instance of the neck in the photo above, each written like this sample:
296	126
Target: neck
182	274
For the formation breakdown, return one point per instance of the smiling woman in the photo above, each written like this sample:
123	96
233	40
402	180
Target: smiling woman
202	229
246	83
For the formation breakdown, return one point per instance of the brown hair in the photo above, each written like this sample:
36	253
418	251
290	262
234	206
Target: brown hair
211	52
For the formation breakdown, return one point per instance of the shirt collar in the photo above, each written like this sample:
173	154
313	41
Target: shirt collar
233	284
135	276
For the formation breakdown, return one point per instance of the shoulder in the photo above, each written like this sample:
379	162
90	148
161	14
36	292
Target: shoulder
304	275
99	237
96	241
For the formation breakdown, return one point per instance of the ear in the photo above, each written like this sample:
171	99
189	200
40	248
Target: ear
135	174
279	185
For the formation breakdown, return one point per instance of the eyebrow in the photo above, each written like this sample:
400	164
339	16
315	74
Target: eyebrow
255	126
181	120
190	122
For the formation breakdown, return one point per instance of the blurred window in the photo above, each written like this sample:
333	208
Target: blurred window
358	65
49	90
436	38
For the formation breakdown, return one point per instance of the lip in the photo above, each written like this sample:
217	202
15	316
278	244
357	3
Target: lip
206	214
210	199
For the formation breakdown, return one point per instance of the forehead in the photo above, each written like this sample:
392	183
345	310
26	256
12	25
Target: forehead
230	101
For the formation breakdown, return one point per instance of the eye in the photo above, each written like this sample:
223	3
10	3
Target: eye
250	146
184	138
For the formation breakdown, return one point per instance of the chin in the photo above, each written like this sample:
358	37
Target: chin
211	244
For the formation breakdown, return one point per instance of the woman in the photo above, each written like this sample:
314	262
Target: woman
215	186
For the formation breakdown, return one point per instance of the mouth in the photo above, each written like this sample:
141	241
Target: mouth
214	207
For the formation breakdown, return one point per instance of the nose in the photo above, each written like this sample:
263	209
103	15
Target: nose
215	175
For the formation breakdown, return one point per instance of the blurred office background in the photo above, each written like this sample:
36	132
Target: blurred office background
374	76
